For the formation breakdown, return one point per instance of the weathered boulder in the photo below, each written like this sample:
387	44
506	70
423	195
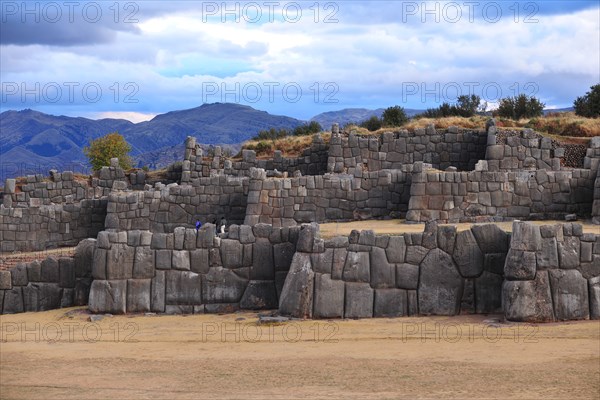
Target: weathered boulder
99	264
359	300
296	298
390	303
222	285
259	295
329	297
440	285
383	274
569	294
50	270
108	297
547	256
528	301
199	261
468	255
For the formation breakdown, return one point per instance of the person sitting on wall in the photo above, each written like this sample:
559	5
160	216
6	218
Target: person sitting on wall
198	225
223	223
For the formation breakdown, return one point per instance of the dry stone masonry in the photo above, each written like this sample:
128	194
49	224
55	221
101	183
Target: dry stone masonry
138	249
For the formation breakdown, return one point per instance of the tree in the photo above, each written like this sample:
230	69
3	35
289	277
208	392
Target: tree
589	104
467	105
521	106
394	116
372	124
112	145
272	134
307	129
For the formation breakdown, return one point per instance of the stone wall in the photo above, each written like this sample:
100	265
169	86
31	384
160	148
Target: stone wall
552	273
452	147
596	204
291	201
191	272
439	272
485	196
55	225
165	207
49	284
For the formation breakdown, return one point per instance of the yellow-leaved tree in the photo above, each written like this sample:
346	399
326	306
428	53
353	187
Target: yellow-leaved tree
101	150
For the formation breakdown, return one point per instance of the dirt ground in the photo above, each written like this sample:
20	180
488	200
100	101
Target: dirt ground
398	226
60	354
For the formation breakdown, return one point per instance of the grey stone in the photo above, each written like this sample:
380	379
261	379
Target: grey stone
84	256
66	299
143	263
296	298
231	253
568	252
183	288
490	238
199	261
396	250
282	255
138	295
528	301
119	262
468	255
259	295
34	271
328	297
416	254
306	238
322	262
66	272
50	270
547	256
390	303
440	285
488	293
13	301
383	274
42	296
181	260
19	275
164	259
246	235
262	263
5	280
594	290
407	276
108	297
526	236
357	268
446	238
520	265
222	285
262	230
157	295
570	294
339	260
359	300
99	264
81	292
494	263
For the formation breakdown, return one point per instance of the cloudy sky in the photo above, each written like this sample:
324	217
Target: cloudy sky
137	59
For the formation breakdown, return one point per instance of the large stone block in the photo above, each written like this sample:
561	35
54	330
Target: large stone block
396	249
569	294
526	236
84	256
528	301
42	296
440	285
329	297
359	300
322	262
108	297
66	272
183	288
407	276
231	253
357	268
468	255
138	295
390	303
259	295
222	285
5	280
81	292
594	290
296	298
18	274
181	260
547	256
99	264
13	301
416	254
494	263
119	262
339	260
199	261
143	263
520	265
490	238
262	261
50	270
383	274
158	291
283	253
488	293
446	238
568	252
164	258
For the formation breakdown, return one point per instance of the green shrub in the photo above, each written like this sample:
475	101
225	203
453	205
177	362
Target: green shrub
589	105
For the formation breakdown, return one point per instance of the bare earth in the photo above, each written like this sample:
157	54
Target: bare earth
230	356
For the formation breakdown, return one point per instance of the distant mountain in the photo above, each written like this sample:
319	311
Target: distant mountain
349	115
34	142
558	110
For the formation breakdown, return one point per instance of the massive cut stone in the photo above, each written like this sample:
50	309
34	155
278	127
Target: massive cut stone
468	255
520	265
306	238
569	294
297	294
183	288
81	292
158	288
526	236
390	303
329	297
446	238
440	285
528	301
5	280
50	270
488	293
42	296
199	261
99	264
383	274
594	288
231	253
108	297
181	260
356	268
283	254
66	272
259	295
407	276
322	262
339	260
568	252
494	263
415	254
222	285
143	263
84	255
138	295
359	300
13	301
18	275
262	261
547	257
396	249
119	262
491	238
